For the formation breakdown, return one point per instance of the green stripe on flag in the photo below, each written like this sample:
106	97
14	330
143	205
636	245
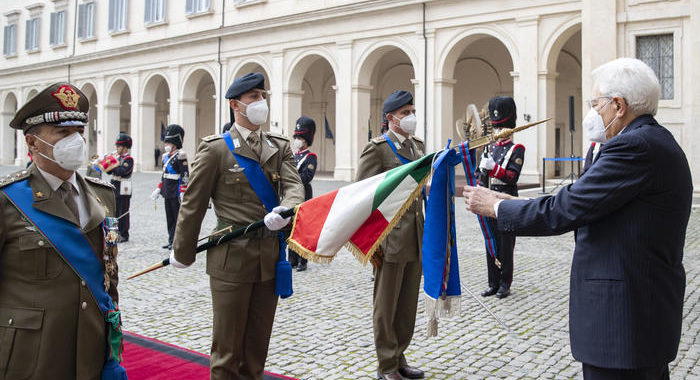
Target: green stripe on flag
417	169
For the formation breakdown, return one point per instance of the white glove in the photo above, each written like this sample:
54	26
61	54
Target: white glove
487	163
155	194
274	221
176	263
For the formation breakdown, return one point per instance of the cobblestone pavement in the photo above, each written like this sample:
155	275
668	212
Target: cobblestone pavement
324	331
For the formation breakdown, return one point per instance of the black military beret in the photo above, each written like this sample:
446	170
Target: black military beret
174	135
502	112
123	140
396	100
305	128
244	84
60	105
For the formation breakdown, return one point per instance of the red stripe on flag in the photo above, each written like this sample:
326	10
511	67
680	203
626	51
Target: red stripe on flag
370	231
310	219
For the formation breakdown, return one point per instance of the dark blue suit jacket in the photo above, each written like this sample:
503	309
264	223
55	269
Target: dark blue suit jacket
630	211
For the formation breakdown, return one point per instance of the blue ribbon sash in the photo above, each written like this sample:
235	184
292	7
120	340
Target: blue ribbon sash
264	190
468	163
74	248
401	158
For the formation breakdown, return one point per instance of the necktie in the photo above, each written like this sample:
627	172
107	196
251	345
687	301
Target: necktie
67	193
254	143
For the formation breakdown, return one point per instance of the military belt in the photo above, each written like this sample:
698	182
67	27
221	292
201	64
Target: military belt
496	181
117	178
259	233
171	176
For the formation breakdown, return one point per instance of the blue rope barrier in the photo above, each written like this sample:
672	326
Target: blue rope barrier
563	159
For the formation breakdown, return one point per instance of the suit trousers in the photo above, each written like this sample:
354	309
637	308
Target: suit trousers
172	207
243	316
122	213
651	373
395	303
505	243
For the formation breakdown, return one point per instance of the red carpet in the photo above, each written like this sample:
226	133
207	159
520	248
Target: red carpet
146	358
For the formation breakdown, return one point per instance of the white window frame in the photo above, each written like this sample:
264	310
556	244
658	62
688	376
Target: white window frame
11	50
86	15
32	33
57	29
244	3
118	16
676	30
154	12
196	7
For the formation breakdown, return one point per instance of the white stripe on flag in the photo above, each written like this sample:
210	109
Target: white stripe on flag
351	207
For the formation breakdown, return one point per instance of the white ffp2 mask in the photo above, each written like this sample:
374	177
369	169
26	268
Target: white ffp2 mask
69	152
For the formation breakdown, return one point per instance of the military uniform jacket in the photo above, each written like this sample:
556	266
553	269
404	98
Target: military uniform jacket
404	242
509	162
50	325
122	172
216	175
306	162
171	182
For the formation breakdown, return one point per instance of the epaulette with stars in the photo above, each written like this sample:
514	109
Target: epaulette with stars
98	181
378	140
14	177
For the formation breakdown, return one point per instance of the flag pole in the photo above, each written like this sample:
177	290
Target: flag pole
213	243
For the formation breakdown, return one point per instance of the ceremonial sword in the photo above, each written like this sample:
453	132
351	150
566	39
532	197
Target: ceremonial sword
213	243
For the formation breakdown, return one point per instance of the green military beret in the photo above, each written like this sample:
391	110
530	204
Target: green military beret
60	105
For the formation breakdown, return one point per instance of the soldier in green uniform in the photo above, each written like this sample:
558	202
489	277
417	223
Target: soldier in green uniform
52	322
397	274
242	271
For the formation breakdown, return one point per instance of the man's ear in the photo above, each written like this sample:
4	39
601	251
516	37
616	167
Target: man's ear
234	105
620	106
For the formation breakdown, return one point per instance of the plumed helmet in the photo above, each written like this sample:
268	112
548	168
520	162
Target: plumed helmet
174	134
305	128
123	140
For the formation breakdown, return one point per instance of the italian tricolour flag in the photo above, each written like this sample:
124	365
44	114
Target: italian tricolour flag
359	215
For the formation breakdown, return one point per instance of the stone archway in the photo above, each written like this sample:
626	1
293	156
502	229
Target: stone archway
477	68
564	139
117	112
311	92
91	131
198	107
8	136
385	69
155	116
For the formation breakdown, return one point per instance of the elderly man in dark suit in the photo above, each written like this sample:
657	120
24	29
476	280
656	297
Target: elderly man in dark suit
629	211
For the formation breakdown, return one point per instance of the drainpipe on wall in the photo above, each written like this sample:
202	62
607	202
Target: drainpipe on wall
75	32
221	66
425	80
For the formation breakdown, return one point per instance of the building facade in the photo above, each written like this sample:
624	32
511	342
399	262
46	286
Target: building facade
148	63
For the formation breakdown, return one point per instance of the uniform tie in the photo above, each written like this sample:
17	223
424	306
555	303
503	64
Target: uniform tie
254	143
67	193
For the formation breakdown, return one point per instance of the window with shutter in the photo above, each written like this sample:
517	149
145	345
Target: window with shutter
197	6
9	46
657	52
31	41
154	11
117	15
58	28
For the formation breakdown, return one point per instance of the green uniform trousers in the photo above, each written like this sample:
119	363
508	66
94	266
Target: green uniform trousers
395	302
243	316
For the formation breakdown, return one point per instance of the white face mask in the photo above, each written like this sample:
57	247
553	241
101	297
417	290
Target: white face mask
298	144
408	123
594	126
69	152
168	148
256	112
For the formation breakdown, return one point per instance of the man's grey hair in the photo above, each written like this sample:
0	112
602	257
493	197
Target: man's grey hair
631	79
